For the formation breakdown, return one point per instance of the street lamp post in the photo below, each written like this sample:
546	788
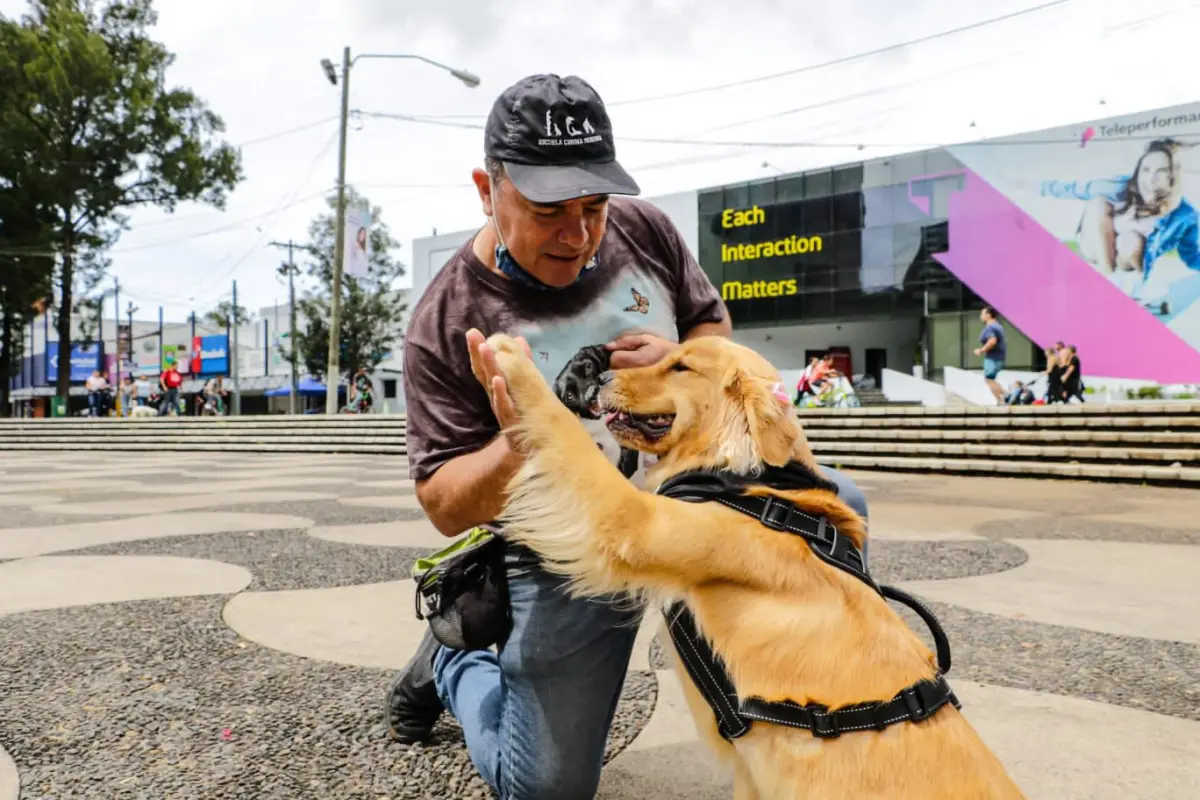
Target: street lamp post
333	368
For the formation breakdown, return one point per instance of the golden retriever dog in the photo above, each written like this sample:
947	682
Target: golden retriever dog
787	625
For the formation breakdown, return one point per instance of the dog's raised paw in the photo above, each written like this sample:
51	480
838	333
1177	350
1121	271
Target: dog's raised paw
502	343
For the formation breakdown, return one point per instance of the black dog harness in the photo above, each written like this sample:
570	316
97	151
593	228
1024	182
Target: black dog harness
735	715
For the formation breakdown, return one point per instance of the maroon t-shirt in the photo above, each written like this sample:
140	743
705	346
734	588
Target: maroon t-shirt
645	281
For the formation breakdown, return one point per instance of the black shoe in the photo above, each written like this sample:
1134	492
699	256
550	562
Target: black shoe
412	705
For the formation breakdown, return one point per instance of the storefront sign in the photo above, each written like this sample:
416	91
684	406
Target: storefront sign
732	218
84	360
212	352
758	290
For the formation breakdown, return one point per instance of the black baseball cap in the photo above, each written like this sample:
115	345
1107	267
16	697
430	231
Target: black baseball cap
555	139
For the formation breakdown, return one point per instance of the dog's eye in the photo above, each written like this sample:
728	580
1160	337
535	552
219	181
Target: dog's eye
679	366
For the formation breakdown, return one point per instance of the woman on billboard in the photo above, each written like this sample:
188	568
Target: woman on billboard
1125	234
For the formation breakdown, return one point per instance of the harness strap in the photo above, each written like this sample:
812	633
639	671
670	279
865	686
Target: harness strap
916	703
706	670
774	513
940	640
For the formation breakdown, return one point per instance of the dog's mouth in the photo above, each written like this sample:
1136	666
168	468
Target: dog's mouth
589	406
651	427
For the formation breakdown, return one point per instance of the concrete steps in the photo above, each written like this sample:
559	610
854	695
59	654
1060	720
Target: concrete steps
1151	442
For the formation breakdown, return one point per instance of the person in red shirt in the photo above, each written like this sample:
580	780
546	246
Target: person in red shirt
169	382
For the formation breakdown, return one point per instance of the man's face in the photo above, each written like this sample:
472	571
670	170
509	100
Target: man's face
552	242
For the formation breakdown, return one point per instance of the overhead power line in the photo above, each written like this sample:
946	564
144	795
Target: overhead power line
448	118
842	60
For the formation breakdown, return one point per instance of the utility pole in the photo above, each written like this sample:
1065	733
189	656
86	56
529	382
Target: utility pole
290	269
160	343
130	309
333	368
236	354
117	326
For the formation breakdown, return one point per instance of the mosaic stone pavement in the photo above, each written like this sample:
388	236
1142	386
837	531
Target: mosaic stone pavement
217	626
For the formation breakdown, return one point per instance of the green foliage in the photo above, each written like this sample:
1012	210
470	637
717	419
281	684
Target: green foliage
1145	393
97	131
224	311
372	311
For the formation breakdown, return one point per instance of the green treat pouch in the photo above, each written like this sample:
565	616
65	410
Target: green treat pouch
462	592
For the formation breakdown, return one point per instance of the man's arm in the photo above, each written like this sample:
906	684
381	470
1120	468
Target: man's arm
722	328
469	490
987	346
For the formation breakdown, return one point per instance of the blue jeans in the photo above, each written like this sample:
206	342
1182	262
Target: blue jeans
536	717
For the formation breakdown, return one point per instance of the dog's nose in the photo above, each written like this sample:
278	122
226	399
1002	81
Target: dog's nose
606	377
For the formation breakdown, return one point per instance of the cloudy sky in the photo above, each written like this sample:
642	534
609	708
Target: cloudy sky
656	62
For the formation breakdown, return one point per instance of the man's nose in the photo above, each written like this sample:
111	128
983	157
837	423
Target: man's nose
573	232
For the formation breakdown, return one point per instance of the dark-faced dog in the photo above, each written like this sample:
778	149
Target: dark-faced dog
578	385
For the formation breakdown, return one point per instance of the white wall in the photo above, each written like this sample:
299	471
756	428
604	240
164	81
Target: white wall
430	254
784	347
903	387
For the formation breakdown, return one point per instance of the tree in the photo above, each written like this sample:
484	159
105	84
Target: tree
372	310
225	313
103	131
26	260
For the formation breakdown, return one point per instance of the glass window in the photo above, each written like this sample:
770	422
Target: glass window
847	212
877	172
710	201
818	216
946	340
848	179
737	196
789	188
818	183
762	192
848	263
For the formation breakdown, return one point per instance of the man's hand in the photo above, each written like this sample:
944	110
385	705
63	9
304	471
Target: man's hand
638	350
487	372
978	351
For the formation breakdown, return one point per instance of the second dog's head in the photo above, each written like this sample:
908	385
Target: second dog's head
579	382
712	402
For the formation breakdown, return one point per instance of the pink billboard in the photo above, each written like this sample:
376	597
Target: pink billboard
1088	235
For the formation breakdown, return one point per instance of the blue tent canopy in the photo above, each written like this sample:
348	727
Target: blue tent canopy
307	387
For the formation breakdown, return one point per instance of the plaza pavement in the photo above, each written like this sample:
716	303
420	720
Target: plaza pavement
216	625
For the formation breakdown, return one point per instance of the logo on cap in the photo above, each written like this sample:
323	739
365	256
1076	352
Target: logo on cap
583	134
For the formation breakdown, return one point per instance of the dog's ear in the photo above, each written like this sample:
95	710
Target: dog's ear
768	415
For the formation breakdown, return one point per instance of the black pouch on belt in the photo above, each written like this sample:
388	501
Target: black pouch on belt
462	592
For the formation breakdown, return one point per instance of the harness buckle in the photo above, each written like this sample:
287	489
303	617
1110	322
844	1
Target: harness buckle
915	704
824	724
772	520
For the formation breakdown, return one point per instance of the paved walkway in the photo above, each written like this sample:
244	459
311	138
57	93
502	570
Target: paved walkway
225	625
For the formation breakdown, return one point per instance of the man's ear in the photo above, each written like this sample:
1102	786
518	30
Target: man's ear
768	417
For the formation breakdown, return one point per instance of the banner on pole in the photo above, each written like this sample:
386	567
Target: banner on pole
356	243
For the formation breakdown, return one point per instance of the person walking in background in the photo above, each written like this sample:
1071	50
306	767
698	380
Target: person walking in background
169	382
1054	385
993	350
1072	379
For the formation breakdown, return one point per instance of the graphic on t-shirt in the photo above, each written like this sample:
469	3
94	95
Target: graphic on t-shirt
641	303
578	387
578	356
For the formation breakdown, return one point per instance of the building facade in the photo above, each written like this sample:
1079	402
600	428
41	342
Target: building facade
1084	234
